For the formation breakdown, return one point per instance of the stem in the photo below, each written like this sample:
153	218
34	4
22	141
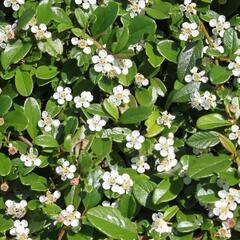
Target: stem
26	141
61	233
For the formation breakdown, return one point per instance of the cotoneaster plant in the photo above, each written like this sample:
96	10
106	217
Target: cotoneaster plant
119	119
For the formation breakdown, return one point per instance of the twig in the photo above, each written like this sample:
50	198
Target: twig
23	139
61	233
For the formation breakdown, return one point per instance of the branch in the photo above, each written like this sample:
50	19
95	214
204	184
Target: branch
26	141
61	233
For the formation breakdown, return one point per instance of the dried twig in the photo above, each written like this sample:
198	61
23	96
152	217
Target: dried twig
23	139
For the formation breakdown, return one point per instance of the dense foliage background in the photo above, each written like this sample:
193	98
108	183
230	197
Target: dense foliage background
119	119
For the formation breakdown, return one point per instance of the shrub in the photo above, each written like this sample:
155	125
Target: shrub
119	119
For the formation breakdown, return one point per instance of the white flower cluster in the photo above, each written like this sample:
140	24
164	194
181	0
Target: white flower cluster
189	8
205	101
110	204
14	4
229	199
219	25
167	152
235	134
87	4
83	100
224	232
50	197
31	158
20	230
85	45
16	210
136	7
62	95
188	31
7	33
135	140
40	32
137	47
196	76
66	171
159	224
165	119
120	96
70	217
117	183
96	123
140	164
140	80
235	67
110	66
47	122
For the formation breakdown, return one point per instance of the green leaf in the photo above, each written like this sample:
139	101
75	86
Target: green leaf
127	206
46	72
81	17
219	74
72	196
122	36
16	119
206	165
169	49
231	41
203	140
111	109
5	104
228	144
167	190
153	129
52	47
190	55
212	120
51	209
144	97
33	114
170	213
43	11
110	221
105	18
135	115
23	83
60	16
101	146
25	17
154	58
6	224
46	141
138	27
13	53
187	226
6	165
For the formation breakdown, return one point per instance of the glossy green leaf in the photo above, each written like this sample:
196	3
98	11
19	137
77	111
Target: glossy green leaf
6	165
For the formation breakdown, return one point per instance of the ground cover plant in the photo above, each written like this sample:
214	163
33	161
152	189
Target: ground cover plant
119	119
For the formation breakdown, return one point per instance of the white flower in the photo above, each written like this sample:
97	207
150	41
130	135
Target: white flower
235	67
205	101
117	183
219	25
224	232
188	31
50	197
62	95
232	196
165	119
70	216
121	66
66	171
20	230
16	210
85	45
196	76
140	164
109	204
15	4
140	80
216	44
86	4
120	96
223	210
83	100
135	140
159	224
136	7
103	61
235	134
40	32
165	146
47	122
31	158
7	33
31	23
166	164
96	123
189	8
138	47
